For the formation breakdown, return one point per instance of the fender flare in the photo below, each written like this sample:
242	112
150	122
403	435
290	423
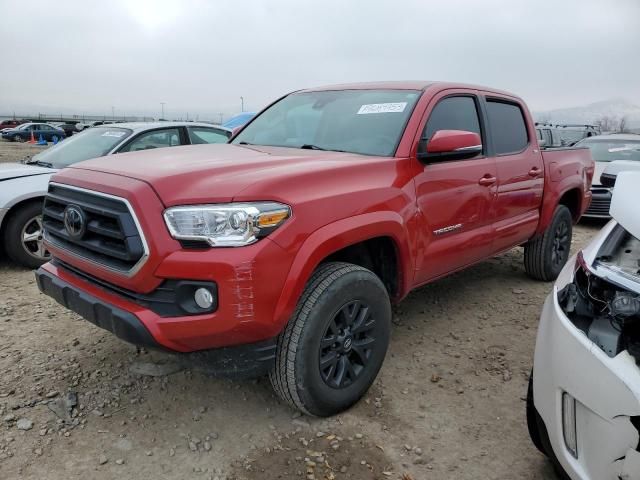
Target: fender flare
334	237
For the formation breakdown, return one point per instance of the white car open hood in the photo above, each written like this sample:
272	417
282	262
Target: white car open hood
9	171
625	202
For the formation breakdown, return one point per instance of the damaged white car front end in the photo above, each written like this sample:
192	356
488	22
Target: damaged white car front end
584	401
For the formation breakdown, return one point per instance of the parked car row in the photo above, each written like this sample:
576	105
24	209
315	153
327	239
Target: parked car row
26	131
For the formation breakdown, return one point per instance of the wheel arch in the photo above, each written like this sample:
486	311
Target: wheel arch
572	199
364	240
15	207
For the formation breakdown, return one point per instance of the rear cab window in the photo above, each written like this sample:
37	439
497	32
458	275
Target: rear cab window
507	126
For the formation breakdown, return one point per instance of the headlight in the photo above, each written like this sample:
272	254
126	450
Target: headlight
226	225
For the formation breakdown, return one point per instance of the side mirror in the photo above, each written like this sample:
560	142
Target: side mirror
608	177
452	145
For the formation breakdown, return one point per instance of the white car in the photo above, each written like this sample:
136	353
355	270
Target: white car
583	407
616	147
23	186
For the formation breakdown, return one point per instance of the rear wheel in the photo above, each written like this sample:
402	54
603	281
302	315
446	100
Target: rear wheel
23	240
546	255
334	345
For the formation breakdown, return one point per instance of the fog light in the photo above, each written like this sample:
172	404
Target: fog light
569	424
203	298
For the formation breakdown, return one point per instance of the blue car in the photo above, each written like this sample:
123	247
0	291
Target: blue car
23	132
238	120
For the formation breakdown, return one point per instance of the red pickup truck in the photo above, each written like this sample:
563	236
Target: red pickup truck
283	250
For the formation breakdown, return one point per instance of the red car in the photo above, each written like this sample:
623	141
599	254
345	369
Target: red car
283	251
10	124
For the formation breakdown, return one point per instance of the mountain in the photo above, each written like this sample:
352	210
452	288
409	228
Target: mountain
615	108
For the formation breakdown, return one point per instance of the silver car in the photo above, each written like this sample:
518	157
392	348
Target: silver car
23	186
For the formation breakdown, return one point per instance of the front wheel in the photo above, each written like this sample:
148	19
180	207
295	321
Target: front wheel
546	255
334	345
23	240
18	138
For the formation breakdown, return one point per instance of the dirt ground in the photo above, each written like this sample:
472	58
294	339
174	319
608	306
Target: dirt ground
448	404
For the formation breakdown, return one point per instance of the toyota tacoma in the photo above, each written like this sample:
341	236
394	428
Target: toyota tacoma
283	251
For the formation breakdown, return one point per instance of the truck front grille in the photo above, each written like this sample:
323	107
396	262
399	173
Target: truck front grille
98	227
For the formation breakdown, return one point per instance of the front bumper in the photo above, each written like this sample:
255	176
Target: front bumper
249	284
244	360
607	393
600	203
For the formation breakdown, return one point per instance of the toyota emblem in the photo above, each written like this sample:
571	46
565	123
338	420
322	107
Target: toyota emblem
74	222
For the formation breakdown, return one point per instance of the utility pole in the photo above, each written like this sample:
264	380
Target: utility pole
113	114
162	103
221	116
242	104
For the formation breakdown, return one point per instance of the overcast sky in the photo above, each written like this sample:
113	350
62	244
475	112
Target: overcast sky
201	56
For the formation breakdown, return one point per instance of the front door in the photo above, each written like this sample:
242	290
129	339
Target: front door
455	197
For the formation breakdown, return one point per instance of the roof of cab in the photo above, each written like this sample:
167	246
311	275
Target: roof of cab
407	85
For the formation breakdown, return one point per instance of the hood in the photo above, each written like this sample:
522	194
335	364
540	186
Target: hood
613	168
9	171
624	201
618	166
218	173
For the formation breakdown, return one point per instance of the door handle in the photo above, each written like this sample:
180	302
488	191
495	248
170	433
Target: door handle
487	180
535	172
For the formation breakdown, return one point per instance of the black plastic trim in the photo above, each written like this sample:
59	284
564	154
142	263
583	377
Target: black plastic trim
122	324
173	298
247	360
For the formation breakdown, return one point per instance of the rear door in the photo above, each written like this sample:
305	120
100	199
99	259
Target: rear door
454	196
520	172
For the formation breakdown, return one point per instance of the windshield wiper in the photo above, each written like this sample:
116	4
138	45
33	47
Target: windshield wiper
244	143
309	146
40	163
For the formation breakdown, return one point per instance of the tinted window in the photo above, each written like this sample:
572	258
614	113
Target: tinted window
453	113
199	135
508	129
368	122
168	137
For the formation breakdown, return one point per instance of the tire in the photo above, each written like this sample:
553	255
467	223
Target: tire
539	434
545	255
25	221
18	138
532	424
332	349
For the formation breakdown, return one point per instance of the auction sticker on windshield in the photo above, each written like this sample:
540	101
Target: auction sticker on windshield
382	108
113	133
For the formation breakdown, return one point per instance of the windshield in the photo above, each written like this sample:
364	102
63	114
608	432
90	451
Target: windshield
368	122
91	143
607	150
24	125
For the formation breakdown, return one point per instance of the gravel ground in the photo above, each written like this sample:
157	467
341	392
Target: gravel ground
75	402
